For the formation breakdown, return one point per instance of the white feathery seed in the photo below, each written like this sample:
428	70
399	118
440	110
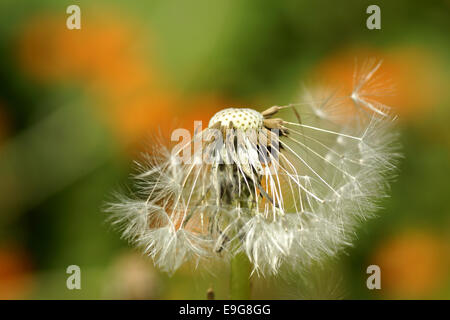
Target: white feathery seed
289	189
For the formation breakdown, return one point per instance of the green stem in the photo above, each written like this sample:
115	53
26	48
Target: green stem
240	286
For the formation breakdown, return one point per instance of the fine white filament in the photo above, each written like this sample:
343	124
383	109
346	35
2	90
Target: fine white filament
324	167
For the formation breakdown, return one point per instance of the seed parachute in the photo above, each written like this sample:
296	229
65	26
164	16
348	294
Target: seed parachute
287	185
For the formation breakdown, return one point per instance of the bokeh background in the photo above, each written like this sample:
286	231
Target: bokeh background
77	106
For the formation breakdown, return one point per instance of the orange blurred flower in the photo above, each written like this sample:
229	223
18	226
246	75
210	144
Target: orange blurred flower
104	53
135	117
107	58
15	273
201	108
412	80
413	264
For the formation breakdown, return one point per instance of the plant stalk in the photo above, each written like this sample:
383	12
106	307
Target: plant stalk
240	286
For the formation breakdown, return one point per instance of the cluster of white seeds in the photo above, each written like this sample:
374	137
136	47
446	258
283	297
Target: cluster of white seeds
292	199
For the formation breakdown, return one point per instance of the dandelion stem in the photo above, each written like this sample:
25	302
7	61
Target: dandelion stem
240	286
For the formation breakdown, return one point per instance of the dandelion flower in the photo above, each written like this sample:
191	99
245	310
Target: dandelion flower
288	185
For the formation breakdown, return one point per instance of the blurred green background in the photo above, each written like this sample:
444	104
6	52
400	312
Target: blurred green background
76	107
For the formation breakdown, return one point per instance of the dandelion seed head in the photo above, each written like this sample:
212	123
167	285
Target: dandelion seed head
239	118
288	185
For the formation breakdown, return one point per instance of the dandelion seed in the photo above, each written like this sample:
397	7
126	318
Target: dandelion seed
286	185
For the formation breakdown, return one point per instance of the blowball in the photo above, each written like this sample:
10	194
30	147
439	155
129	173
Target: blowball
288	185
